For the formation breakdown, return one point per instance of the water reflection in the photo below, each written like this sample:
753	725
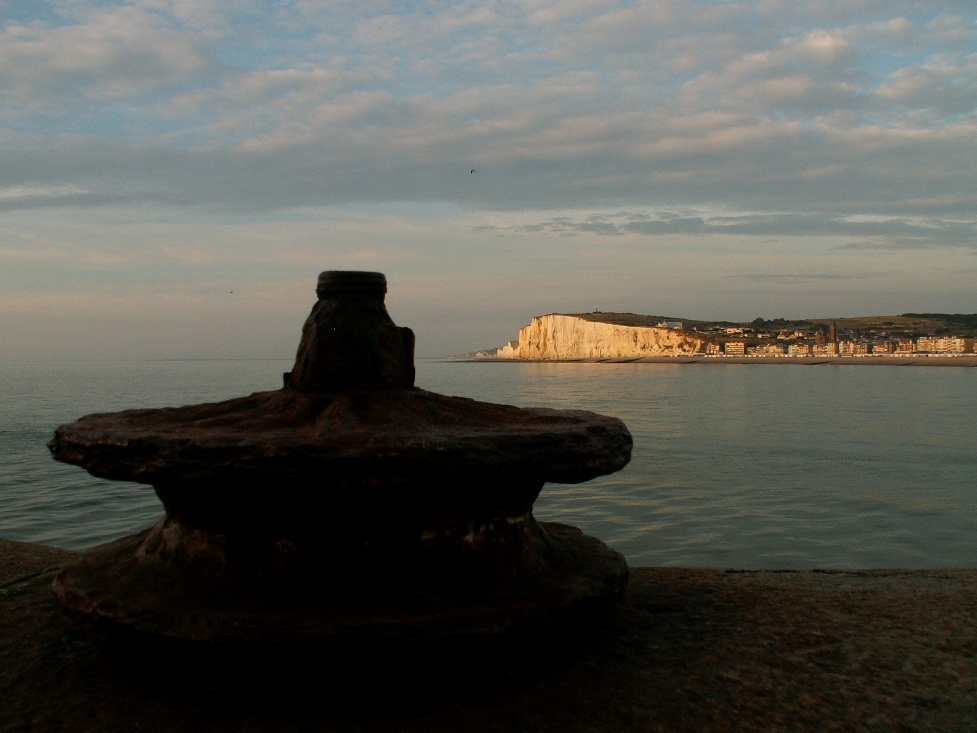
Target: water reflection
765	466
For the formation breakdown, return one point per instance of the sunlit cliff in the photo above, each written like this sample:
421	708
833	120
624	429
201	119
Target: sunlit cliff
558	336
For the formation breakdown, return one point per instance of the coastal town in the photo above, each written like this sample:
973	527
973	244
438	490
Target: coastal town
600	335
750	342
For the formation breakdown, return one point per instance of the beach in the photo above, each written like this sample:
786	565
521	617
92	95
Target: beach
965	360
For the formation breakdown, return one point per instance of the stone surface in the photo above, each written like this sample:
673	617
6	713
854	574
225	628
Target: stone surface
684	651
557	336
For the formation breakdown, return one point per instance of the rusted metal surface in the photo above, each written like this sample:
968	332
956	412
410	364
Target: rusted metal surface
347	479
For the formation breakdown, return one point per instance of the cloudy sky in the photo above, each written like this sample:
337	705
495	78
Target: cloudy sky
175	173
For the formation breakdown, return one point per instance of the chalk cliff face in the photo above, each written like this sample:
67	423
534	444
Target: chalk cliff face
568	337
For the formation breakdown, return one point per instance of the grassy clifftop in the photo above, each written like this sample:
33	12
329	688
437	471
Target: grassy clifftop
916	324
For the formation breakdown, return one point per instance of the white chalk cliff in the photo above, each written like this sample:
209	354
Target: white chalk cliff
558	336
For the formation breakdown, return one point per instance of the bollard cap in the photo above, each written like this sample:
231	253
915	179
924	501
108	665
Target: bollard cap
336	282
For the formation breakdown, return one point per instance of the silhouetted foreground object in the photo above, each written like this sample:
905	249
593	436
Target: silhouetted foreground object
348	507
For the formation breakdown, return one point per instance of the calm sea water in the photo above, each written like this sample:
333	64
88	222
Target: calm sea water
744	466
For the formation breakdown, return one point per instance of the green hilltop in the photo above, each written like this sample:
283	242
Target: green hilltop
908	324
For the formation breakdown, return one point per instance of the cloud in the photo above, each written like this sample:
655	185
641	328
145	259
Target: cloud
109	53
557	105
881	233
787	278
944	86
757	136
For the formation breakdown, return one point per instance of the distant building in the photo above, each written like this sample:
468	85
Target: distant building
799	349
927	344
676	325
735	348
956	345
766	350
906	346
944	345
852	348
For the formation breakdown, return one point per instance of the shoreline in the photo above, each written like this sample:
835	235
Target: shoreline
684	649
966	360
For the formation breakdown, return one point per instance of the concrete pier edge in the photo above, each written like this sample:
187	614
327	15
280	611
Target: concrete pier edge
686	649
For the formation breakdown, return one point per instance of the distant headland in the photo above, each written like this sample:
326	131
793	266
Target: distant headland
630	336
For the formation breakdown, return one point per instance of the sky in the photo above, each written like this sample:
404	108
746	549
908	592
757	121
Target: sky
174	174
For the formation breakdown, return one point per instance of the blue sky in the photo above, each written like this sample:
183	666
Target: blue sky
175	173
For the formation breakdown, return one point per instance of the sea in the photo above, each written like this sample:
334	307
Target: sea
755	466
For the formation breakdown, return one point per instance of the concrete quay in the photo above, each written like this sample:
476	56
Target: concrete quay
684	650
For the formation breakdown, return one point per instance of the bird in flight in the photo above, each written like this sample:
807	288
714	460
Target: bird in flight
473	170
